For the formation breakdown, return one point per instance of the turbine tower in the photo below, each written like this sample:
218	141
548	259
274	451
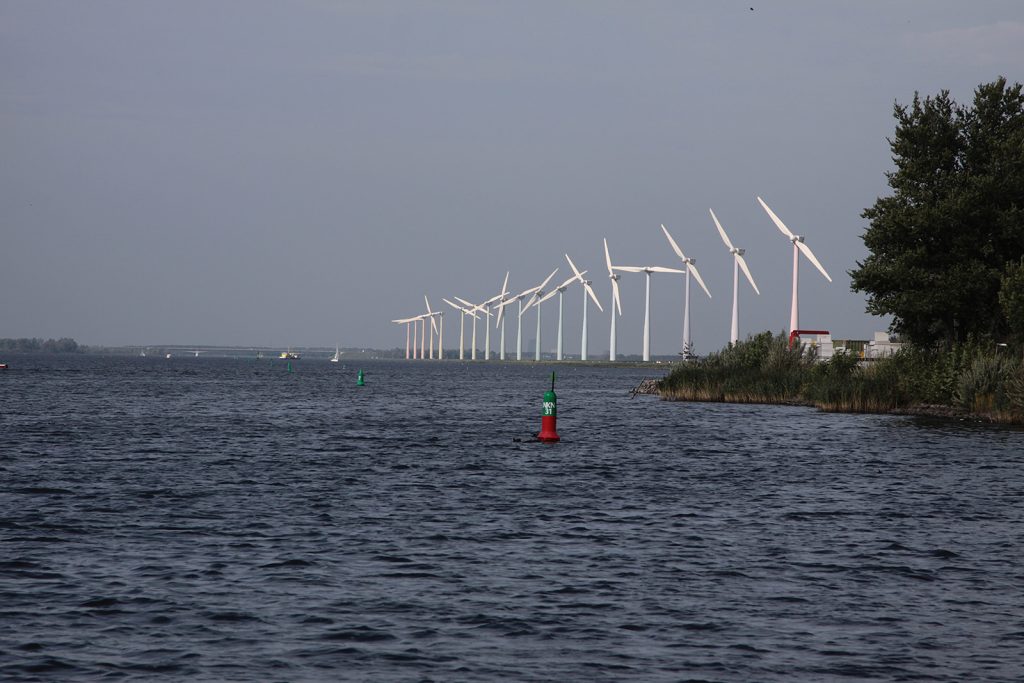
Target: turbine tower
587	290
737	263
647	299
798	246
617	302
690	268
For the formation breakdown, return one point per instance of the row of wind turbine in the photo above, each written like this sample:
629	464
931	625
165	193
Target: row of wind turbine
537	295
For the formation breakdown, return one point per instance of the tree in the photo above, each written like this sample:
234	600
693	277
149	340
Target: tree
941	242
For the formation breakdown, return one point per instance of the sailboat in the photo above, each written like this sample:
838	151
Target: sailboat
337	355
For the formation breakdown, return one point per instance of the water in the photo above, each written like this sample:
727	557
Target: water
223	519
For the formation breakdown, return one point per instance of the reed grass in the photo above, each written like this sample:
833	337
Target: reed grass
972	378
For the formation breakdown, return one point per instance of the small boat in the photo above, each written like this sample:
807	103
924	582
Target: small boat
337	355
289	355
3	366
167	356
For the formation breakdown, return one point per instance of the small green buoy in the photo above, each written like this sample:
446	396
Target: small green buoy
289	366
359	380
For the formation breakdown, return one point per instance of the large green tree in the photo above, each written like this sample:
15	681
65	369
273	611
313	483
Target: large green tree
942	242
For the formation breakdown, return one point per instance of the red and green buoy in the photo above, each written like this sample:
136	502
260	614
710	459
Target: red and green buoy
548	415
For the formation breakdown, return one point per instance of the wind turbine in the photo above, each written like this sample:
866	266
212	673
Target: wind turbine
474	308
407	322
518	298
587	290
798	246
690	268
462	325
647	300
737	263
535	300
500	322
560	290
433	328
614	277
487	309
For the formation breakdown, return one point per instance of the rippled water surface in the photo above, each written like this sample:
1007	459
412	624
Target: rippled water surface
225	519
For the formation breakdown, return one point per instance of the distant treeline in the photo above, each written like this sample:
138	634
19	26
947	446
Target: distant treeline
63	345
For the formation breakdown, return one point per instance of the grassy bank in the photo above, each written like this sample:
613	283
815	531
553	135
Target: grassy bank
978	380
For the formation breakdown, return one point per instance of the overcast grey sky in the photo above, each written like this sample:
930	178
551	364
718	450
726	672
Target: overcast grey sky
244	172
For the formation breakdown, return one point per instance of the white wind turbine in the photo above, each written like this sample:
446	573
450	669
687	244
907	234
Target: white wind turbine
616	301
518	298
647	298
535	301
500	322
587	290
407	322
560	290
690	268
487	309
462	325
434	326
798	246
737	263
474	308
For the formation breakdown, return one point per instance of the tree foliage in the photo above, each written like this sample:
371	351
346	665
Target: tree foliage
941	243
62	345
1011	298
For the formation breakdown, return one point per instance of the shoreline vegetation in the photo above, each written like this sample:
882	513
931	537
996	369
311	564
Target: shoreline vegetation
974	380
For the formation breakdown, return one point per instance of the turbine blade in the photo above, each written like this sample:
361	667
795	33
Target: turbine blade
775	219
453	305
427	301
700	281
675	247
547	296
464	302
566	283
746	271
590	291
574	268
662	269
547	280
721	230
504	287
629	269
607	257
433	324
810	256
616	297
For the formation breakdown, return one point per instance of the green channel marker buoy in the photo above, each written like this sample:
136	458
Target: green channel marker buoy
359	380
289	366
